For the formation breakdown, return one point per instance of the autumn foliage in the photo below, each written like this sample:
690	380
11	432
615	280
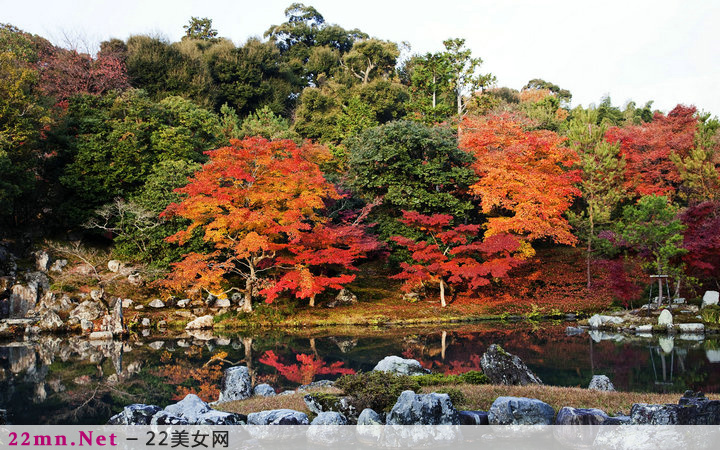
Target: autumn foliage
257	203
526	182
647	149
306	370
452	254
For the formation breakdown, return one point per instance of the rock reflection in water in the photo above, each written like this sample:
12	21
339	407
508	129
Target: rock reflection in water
72	380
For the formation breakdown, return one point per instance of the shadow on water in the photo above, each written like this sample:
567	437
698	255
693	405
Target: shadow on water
73	380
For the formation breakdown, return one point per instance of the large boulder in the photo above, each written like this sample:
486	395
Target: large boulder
236	384
315	385
24	297
520	411
692	409
474	418
201	323
368	416
50	321
423	409
400	366
581	416
329	418
264	390
88	310
114	265
502	367
278	417
710	298
196	412
136	414
601	383
665	319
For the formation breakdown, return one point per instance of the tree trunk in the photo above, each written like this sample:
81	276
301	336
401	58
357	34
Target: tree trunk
442	293
589	245
312	300
444	345
434	91
660	292
247	306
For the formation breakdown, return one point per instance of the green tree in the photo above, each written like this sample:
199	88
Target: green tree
116	140
652	228
602	176
200	29
464	76
267	124
410	166
371	58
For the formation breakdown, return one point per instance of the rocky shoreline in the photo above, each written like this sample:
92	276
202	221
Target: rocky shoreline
411	408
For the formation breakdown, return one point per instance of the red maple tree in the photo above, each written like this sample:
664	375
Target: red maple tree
451	255
307	369
647	149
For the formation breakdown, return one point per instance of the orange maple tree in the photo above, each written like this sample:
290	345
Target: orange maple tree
526	179
451	254
258	203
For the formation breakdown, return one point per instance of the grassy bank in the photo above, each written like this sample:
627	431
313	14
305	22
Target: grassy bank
480	397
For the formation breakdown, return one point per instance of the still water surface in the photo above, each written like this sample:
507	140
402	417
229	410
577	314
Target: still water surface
71	380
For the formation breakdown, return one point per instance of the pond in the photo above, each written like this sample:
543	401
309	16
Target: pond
54	380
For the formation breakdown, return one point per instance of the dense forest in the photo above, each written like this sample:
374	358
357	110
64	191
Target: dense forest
279	166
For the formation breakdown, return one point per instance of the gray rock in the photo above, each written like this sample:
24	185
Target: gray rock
42	261
183	303
223	302
88	310
581	416
278	417
127	303
474	418
423	409
345	297
136	414
201	323
665	318
643	329
50	321
165	418
58	265
691	328
520	411
368	416
502	367
618	420
601	383
97	295
156	303
135	279
114	265
400	366
24	297
710	298
190	408
236	384
114	322
145	323
329	418
573	331
214	417
318	403
599	321
316	384
85	324
101	336
692	409
264	390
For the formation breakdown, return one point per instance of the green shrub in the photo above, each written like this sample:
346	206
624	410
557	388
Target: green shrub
376	390
711	314
438	379
456	396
